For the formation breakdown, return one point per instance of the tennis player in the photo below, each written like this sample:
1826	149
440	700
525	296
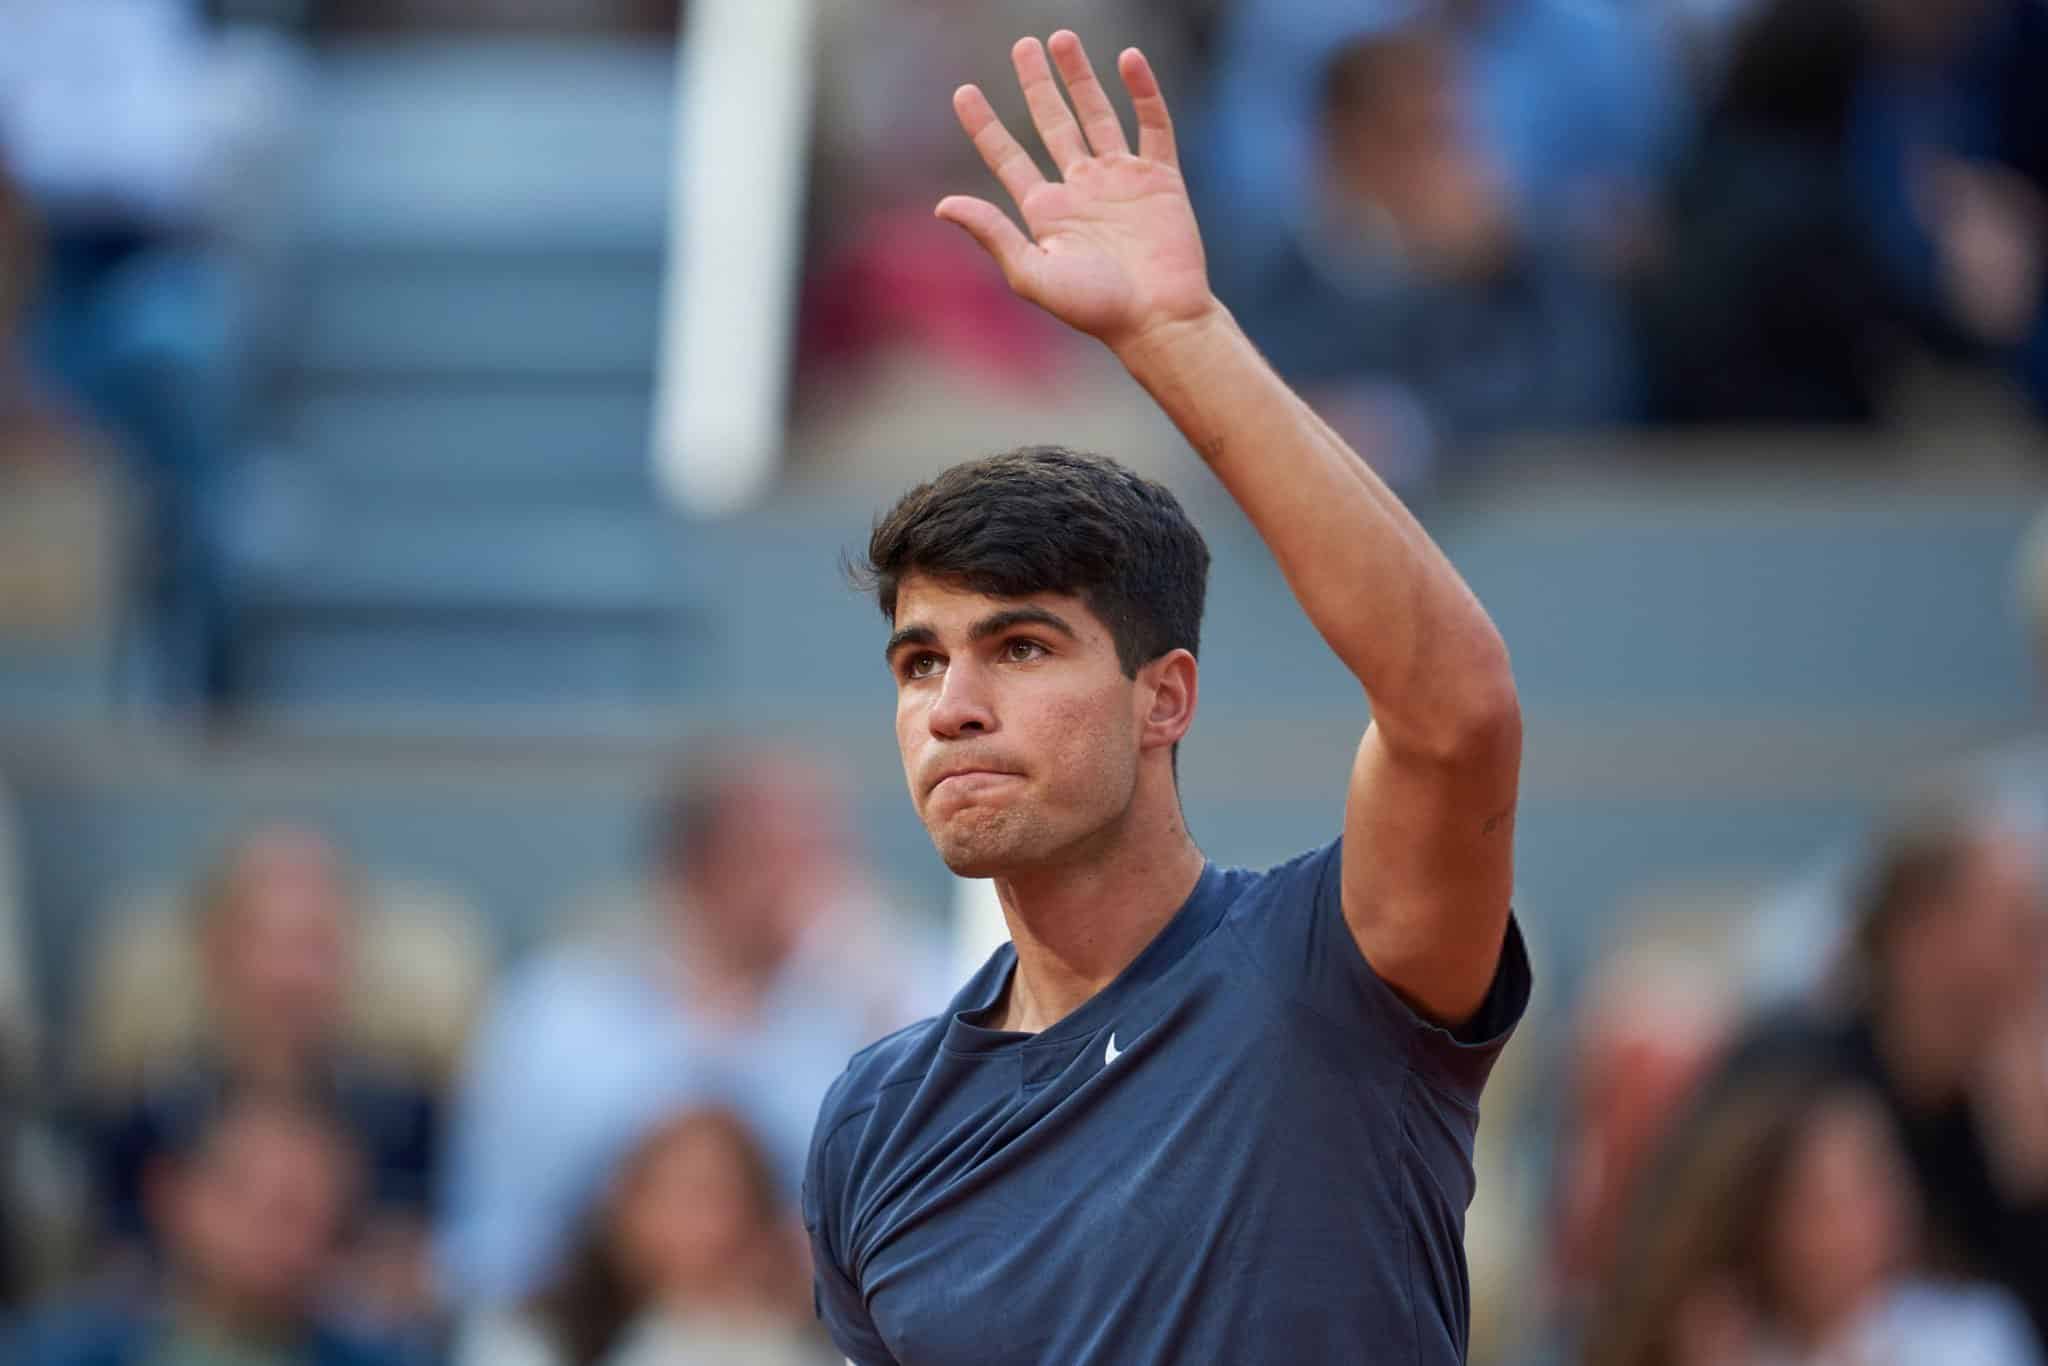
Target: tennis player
1191	1114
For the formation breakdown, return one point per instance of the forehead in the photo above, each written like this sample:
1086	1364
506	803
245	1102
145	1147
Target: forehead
947	608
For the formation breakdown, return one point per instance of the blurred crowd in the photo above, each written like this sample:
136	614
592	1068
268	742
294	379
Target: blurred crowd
1816	1130
1458	221
300	1123
1453	222
299	1117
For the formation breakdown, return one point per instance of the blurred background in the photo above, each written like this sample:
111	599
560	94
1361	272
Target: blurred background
450	831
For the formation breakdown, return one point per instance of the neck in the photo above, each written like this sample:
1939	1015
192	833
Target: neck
273	1060
1078	924
221	1319
719	980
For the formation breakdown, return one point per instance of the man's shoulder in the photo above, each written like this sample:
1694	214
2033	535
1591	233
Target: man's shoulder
895	1060
1300	879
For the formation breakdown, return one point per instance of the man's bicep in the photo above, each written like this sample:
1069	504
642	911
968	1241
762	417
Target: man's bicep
1428	870
841	1307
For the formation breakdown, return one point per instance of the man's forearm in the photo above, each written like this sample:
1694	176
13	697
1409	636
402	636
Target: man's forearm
1380	592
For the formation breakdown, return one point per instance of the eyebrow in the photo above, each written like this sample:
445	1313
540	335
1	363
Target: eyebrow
992	625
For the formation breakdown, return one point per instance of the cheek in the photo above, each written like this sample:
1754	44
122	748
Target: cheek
910	731
1090	736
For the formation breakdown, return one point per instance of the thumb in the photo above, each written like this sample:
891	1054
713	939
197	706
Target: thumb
992	228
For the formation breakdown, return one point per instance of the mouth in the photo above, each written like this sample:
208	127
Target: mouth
971	780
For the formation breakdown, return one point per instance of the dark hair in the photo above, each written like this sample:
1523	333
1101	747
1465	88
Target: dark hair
1355	80
1701	1211
1910	873
591	1302
1044	519
687	813
1795	67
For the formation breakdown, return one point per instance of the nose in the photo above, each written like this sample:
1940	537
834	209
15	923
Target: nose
963	706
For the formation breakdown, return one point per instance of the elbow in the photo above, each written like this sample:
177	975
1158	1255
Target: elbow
1488	729
1472	720
1483	725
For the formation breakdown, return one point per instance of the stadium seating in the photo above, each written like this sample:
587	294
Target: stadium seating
467	514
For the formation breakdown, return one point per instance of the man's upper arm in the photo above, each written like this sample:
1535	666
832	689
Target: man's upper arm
1428	867
840	1305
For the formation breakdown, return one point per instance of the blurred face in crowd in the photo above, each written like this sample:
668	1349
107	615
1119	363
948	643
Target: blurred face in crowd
252	1217
1843	1223
1979	951
1398	137
692	1209
777	853
1020	732
280	939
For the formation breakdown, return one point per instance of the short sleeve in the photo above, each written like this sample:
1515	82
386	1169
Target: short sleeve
1293	920
838	1300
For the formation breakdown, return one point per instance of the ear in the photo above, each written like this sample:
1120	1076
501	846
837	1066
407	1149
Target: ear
1167	689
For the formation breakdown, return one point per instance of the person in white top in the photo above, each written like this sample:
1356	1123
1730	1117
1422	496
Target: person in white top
1779	1228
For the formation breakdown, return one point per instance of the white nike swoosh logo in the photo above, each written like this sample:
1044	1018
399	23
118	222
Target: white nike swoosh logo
1112	1052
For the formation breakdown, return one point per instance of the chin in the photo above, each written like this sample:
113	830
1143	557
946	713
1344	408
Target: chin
984	848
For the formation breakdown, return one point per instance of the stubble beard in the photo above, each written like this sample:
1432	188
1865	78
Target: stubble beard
992	843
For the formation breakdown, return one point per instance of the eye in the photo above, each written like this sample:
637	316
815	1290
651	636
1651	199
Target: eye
1022	651
923	664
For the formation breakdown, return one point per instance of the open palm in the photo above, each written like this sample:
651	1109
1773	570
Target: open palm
1113	249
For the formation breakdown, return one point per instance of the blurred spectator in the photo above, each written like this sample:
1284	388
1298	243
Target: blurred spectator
60	513
1868	172
276	925
1419	299
688	1259
1939	973
1953	160
1651	1023
1777	1228
1578	157
887	280
765	966
249	1208
1799	931
36	430
147	140
1947	986
1770	304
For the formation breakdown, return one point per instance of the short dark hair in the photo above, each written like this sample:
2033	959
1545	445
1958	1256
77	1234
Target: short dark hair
1044	519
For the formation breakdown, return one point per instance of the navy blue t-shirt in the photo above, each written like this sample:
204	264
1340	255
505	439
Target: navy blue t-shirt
1245	1149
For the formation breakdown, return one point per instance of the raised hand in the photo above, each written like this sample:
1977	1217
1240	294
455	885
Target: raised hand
1113	249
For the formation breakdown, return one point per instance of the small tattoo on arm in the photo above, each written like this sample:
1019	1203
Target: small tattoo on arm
1499	819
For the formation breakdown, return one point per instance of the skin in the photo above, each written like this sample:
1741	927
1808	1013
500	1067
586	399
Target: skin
1033	759
253	1221
1084	840
1845	1227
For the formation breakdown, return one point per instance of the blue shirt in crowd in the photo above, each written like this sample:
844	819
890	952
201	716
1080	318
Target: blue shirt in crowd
1246	1149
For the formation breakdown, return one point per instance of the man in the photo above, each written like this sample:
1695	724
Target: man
1190	1114
250	1211
761	961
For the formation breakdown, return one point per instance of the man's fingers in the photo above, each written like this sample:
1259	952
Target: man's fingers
1155	125
1091	101
991	227
1048	107
1011	164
